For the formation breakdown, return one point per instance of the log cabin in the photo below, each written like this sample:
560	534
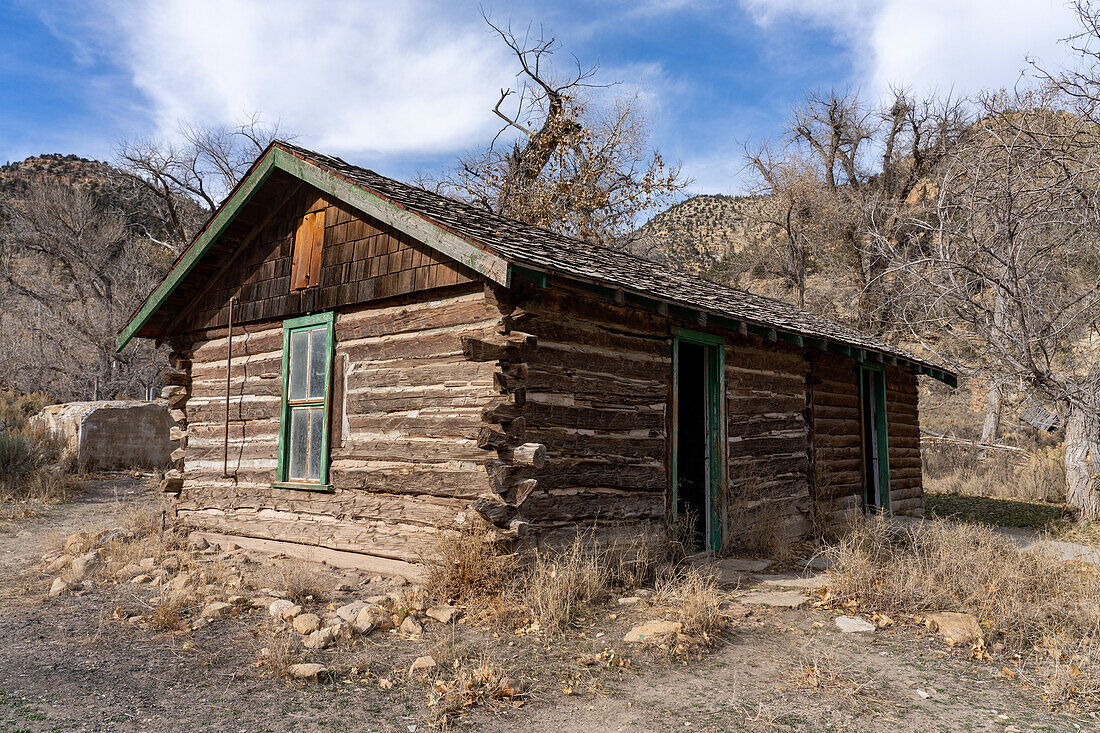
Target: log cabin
358	365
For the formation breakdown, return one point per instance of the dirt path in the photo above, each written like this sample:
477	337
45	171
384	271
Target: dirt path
67	665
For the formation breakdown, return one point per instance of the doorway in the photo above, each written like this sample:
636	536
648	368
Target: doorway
698	452
876	459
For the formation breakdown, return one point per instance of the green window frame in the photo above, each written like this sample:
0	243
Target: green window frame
308	346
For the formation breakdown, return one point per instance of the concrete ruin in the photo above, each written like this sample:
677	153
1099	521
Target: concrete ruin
112	434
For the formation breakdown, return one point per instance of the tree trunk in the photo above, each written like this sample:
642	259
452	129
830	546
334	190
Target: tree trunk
1083	462
991	428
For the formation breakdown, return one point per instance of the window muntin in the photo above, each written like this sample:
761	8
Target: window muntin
307	368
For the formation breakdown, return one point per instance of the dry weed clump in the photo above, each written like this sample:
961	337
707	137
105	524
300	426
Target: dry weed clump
559	584
1029	602
467	566
696	597
465	678
32	468
819	670
293	576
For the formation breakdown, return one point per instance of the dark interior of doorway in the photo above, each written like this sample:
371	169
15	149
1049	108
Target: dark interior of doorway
691	443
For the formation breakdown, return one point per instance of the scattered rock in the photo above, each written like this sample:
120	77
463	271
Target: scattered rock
83	565
51	555
171	564
923	695
58	587
369	617
651	631
217	609
75	542
853	625
197	542
814	582
147	563
143	578
238	600
306	671
735	612
422	665
277	607
375	600
184	582
59	563
411	627
320	638
385	683
629	600
956	628
778	599
743	565
115	534
200	623
442	614
306	623
350	611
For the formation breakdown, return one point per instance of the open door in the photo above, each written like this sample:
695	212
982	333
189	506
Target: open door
698	435
876	459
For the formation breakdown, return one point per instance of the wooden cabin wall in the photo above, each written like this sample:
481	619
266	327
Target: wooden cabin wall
363	260
903	439
769	501
406	415
834	400
838	463
596	384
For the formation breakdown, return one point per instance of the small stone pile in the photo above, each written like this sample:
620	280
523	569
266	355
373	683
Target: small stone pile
79	558
406	614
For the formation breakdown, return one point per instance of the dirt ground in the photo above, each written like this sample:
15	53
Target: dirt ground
67	664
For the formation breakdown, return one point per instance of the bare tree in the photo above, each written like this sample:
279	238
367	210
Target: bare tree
70	272
1001	265
846	172
560	159
186	180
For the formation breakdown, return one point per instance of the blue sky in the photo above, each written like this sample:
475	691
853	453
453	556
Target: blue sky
406	85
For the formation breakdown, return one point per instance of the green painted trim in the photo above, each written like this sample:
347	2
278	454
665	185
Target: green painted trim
716	353
291	325
322	488
461	250
228	211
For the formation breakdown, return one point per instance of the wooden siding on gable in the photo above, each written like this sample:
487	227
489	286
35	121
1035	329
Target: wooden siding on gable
362	260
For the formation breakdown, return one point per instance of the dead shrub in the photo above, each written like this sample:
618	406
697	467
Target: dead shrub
695	596
467	678
16	408
1022	599
279	652
293	576
467	566
755	513
558	584
821	671
32	468
165	616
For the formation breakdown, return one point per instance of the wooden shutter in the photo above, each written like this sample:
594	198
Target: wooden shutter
309	240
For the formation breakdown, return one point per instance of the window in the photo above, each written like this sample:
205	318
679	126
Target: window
309	239
307	378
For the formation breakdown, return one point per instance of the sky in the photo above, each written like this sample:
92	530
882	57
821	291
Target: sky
407	85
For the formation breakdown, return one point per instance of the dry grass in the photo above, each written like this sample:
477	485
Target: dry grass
280	650
1039	475
1032	604
293	576
32	469
696	597
820	670
559	584
467	566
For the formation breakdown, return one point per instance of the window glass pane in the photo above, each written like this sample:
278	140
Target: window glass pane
299	442
316	428
318	362
299	364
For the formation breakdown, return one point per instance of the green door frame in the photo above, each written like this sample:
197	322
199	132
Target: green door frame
716	425
878	380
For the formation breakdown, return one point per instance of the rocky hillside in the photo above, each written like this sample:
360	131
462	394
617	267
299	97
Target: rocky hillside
711	225
65	168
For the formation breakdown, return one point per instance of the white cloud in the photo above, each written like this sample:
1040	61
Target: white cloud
940	45
352	77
